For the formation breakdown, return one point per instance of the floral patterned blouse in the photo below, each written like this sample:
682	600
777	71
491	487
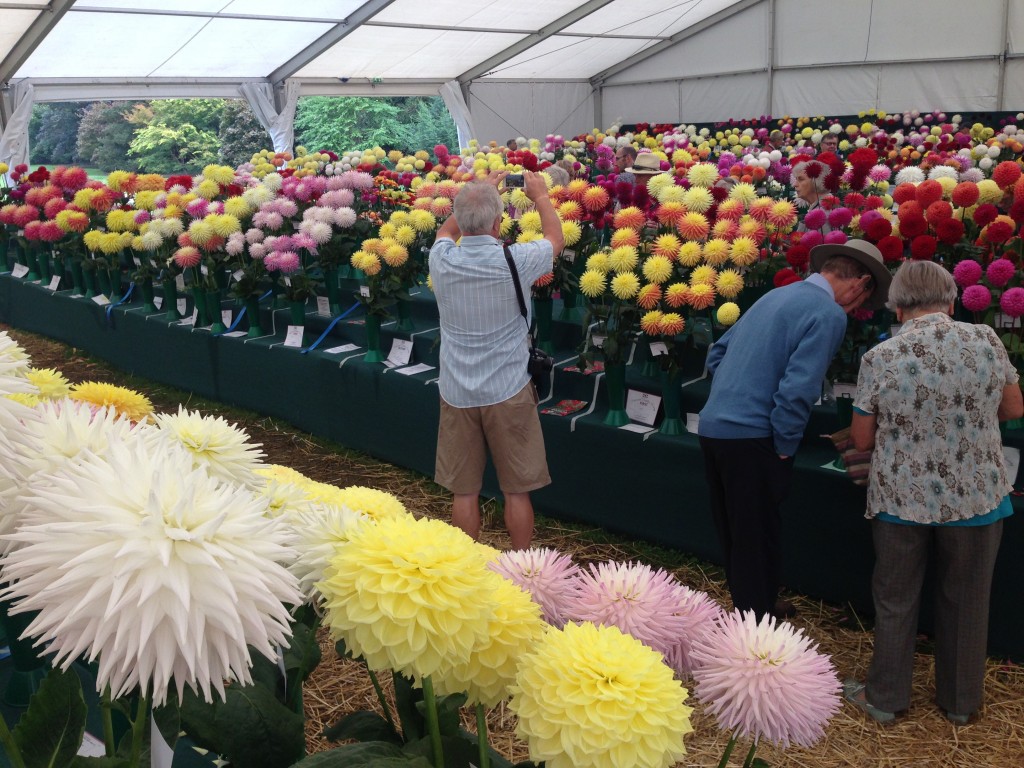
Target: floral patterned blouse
935	388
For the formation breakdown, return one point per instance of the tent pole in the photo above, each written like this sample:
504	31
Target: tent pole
1001	85
599	106
771	56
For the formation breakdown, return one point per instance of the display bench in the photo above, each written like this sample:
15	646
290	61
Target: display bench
649	486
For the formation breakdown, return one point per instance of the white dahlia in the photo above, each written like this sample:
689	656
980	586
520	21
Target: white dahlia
222	447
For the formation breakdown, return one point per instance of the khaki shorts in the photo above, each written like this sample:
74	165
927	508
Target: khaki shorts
510	430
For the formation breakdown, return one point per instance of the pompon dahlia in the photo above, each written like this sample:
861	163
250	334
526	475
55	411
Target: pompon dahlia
1012	302
409	595
729	283
629	218
693	226
593	697
703	274
1000	272
625	285
313	535
649	296
165	575
691	254
667	246
743	251
650	322
671	324
621	237
700	296
489	671
657	269
592	283
965	194
676	295
967	272
223	448
728	313
765	681
548	575
127	402
976	298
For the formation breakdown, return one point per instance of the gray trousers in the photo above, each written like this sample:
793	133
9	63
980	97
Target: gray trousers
964	560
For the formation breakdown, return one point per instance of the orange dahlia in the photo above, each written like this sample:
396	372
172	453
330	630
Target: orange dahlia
570	210
667	246
544	280
650	323
693	226
625	237
595	199
677	294
761	209
576	189
649	296
668	214
671	323
701	296
631	218
753	229
725	229
730	209
782	214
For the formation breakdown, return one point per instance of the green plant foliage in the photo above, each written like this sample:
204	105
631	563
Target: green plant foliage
240	133
159	148
105	133
368	754
343	123
53	132
51	729
201	114
425	124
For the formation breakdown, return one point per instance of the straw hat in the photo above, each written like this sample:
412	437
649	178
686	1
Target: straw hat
867	254
645	163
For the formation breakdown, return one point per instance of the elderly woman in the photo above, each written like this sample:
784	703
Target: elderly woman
929	401
810	188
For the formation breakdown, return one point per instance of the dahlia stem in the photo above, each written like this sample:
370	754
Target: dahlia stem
10	746
139	731
108	723
481	736
381	699
433	727
728	751
750	756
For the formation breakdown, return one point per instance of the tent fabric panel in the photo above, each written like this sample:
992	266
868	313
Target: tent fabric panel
660	18
967	86
720	98
528	14
505	110
1013	88
807	32
307	9
1015	27
824	91
737	43
393	52
560	56
15	25
656	103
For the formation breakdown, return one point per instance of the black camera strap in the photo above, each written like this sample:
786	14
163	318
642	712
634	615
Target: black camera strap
519	289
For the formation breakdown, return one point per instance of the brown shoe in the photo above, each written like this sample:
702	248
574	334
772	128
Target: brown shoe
784	609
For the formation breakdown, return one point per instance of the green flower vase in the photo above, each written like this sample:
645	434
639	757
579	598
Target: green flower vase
17	253
77	278
252	311
373	353
297	315
45	270
570	308
89	281
331	281
170	305
213	308
542	315
671	399
33	264
103	282
615	378
60	267
5	243
148	305
115	285
405	316
202	313
651	367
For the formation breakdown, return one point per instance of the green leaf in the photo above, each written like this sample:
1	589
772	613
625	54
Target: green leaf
458	752
251	728
51	730
447	712
760	763
360	755
100	762
303	655
362	726
406	698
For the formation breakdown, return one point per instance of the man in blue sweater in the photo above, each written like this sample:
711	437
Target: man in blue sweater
768	370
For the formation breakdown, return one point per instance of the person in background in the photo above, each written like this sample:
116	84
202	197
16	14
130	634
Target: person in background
829	143
512	145
776	139
488	402
767	373
810	188
624	158
558	175
929	402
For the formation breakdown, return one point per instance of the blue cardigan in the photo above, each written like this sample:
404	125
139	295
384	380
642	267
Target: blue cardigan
768	368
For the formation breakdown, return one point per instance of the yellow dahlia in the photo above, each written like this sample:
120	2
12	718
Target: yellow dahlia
571	232
729	283
120	221
761	208
409	595
657	269
593	697
625	237
238	207
649	296
730	210
282	474
630	217
592	283
505	228
668	194
570	210
25	398
701	295
625	285
378	505
743	251
576	189
422	221
667	246
690	254
396	255
595	199
698	199
650	323
529	236
782	214
127	402
530	221
743	192
623	259
405	235
728	313
989	192
716	252
50	382
207	189
599	261
693	226
201	232
702	174
676	295
703	274
519	200
660	185
672	323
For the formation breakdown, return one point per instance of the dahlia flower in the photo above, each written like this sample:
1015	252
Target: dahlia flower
50	382
698	199
730	209
716	252
223	448
650	322
409	595
657	269
704	274
729	283
313	536
693	226
702	175
676	294
1000	272
571	232
782	214
1012	302
629	218
765	681
725	229
671	324
593	697
701	613
599	262
691	254
667	246
546	574
728	313
625	285
668	214
649	296
623	259
621	237
743	251
165	575
375	504
700	295
976	298
127	402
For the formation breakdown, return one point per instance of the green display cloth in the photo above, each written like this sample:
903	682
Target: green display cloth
649	489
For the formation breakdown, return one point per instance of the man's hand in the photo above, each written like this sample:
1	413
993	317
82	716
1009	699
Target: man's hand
494	178
535	186
853	293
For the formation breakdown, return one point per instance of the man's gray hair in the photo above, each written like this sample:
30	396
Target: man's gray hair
476	207
558	175
921	285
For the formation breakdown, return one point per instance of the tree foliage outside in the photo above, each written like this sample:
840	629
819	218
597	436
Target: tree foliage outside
240	134
105	133
53	132
343	123
181	137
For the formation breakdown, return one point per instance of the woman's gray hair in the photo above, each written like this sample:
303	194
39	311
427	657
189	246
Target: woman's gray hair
921	285
819	180
559	176
476	207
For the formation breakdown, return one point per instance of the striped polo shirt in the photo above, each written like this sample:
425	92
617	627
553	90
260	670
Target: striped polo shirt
484	347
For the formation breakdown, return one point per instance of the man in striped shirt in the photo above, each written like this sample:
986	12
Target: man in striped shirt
488	402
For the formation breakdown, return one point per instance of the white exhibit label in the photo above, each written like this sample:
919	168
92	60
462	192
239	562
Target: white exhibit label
323	306
401	352
294	336
642	406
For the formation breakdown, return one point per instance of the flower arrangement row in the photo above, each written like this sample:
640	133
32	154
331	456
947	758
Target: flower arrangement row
160	548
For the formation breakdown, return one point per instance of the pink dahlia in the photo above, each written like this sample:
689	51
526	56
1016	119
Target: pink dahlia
546	574
639	600
835	237
1012	302
765	681
812	238
840	217
1000	272
976	298
967	272
187	257
702	614
815	218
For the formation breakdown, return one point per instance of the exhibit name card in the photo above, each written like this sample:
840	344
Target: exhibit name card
412	369
400	354
182	305
238	274
54	282
20	270
658	348
342	348
844	390
642	406
158	302
101	300
323	306
294	336
364	291
692	422
226	316
179	283
597	340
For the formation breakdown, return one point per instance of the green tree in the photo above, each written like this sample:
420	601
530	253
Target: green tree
105	133
343	123
202	114
425	124
160	148
53	132
241	134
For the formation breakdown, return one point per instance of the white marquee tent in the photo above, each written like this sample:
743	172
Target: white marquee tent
523	68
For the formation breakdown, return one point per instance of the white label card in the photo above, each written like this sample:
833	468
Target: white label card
658	348
91	746
194	318
364	291
203	269
323	306
179	282
20	270
294	336
343	348
597	341
287	281
226	316
158	302
182	305
236	334
418	368
137	260
54	282
401	351
692	422
101	300
643	429
1003	320
569	255
642	406
238	274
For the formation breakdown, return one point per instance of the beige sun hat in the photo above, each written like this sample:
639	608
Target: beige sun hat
645	163
865	253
